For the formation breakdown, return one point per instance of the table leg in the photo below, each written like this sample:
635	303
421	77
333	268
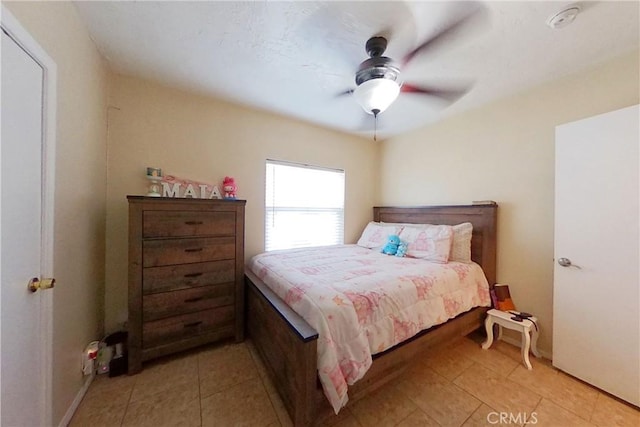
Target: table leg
525	348
534	341
488	325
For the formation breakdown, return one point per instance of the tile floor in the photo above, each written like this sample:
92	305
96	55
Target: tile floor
460	385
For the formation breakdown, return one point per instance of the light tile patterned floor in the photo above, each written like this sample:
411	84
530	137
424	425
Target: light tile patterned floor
460	385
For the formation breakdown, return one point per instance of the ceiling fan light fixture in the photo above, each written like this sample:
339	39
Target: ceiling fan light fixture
376	94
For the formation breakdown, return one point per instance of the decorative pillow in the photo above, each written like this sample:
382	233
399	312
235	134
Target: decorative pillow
375	234
430	242
461	245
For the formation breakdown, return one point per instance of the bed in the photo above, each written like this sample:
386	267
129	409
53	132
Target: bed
288	345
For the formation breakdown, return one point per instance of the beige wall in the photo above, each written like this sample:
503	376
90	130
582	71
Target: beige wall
80	188
199	138
505	152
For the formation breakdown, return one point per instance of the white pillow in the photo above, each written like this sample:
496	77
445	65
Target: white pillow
375	234
430	242
461	245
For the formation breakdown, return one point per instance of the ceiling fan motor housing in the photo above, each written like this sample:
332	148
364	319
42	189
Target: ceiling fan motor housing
377	67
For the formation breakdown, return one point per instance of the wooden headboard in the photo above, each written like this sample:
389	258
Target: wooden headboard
483	218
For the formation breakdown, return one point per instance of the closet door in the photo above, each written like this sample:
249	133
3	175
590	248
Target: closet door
22	341
596	324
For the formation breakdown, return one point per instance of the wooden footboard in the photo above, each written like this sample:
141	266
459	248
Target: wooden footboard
288	344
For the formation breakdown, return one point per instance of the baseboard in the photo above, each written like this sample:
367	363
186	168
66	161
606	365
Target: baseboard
76	402
517	343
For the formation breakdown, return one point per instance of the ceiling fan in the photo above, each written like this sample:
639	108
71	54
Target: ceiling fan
378	78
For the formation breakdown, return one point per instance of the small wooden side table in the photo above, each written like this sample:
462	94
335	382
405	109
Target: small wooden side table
527	328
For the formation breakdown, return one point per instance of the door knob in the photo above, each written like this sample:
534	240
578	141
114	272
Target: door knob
566	262
35	284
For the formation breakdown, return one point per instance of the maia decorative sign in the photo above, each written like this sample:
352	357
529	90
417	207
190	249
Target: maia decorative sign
172	186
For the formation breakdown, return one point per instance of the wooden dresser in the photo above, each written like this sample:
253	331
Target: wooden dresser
186	263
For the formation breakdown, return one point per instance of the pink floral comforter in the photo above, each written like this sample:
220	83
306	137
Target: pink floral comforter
362	302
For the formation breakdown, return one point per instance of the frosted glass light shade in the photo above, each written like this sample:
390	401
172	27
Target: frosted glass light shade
376	94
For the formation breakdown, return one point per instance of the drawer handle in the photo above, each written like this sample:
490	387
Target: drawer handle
192	324
193	222
196	299
193	274
193	250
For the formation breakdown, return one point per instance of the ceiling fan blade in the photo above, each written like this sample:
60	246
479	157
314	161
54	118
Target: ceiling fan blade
447	32
448	94
345	92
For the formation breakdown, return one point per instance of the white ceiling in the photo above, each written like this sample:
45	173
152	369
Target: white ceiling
293	58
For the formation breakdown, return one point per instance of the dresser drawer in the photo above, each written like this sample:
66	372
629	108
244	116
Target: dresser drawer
184	276
180	251
166	304
188	223
185	326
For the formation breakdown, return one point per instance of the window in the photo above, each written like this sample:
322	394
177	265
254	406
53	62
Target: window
304	206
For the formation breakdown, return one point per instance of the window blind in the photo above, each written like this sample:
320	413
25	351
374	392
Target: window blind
304	206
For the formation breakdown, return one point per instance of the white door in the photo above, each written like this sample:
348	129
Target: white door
25	233
596	332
